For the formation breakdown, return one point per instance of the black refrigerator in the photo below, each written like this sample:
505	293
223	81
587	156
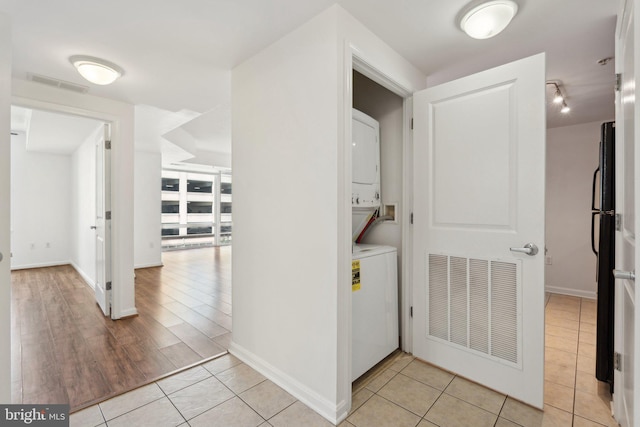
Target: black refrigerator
604	196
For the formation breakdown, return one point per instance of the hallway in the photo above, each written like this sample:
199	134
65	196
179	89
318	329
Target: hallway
65	351
60	340
400	391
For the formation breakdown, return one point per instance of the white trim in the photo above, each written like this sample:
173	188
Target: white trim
128	312
406	287
120	115
355	60
89	281
343	293
333	413
368	70
40	265
571	292
150	265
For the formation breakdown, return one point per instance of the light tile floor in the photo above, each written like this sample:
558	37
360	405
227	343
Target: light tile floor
401	391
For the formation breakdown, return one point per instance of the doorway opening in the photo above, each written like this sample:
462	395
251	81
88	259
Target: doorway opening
53	191
64	349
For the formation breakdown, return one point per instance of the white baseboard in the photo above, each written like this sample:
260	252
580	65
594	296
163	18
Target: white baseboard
127	313
88	280
40	265
571	292
333	413
148	265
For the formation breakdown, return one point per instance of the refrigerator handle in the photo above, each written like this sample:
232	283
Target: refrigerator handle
593	241
593	195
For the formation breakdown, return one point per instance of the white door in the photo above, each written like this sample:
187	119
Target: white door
626	327
479	178
103	222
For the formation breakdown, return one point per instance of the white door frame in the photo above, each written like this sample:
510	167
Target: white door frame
354	60
363	67
627	21
91	114
5	196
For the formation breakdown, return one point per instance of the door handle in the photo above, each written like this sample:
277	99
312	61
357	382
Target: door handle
625	275
593	239
93	227
529	249
0	256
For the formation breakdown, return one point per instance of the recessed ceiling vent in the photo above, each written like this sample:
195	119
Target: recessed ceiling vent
50	81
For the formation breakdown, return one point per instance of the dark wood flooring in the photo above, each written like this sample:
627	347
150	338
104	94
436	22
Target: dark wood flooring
65	351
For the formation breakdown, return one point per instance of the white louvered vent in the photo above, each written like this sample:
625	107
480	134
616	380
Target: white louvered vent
50	81
438	297
473	303
458	300
504	313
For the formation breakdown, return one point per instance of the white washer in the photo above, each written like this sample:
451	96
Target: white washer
374	307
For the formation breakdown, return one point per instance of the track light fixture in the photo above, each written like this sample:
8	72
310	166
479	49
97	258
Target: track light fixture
559	97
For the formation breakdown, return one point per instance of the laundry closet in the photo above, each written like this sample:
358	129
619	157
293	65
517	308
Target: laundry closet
377	180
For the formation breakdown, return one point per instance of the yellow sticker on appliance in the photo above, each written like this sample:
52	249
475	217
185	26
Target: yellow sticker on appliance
355	275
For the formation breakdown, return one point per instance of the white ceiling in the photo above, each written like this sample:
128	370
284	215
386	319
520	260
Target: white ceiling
178	56
54	133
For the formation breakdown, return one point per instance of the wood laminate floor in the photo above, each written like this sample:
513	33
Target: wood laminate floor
65	351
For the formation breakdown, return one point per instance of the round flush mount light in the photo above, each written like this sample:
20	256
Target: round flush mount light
96	70
485	20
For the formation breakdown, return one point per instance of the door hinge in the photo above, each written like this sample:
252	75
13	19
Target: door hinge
617	362
411	311
411	122
618	222
411	218
618	82
107	215
107	145
108	286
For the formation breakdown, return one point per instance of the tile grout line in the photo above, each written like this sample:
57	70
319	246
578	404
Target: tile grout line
575	380
171	401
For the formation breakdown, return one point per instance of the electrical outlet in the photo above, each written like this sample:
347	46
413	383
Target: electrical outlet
547	260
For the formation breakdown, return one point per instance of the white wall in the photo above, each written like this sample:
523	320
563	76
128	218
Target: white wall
34	95
5	195
83	210
285	167
572	157
40	207
291	162
147	209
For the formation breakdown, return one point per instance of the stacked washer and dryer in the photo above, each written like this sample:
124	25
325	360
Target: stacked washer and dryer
375	267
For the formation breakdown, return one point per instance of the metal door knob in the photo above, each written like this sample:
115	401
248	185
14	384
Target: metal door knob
93	227
625	275
529	249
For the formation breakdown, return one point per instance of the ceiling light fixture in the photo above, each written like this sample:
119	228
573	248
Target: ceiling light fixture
487	19
559	97
96	70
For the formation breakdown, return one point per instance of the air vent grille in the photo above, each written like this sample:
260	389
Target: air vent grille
50	81
474	304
